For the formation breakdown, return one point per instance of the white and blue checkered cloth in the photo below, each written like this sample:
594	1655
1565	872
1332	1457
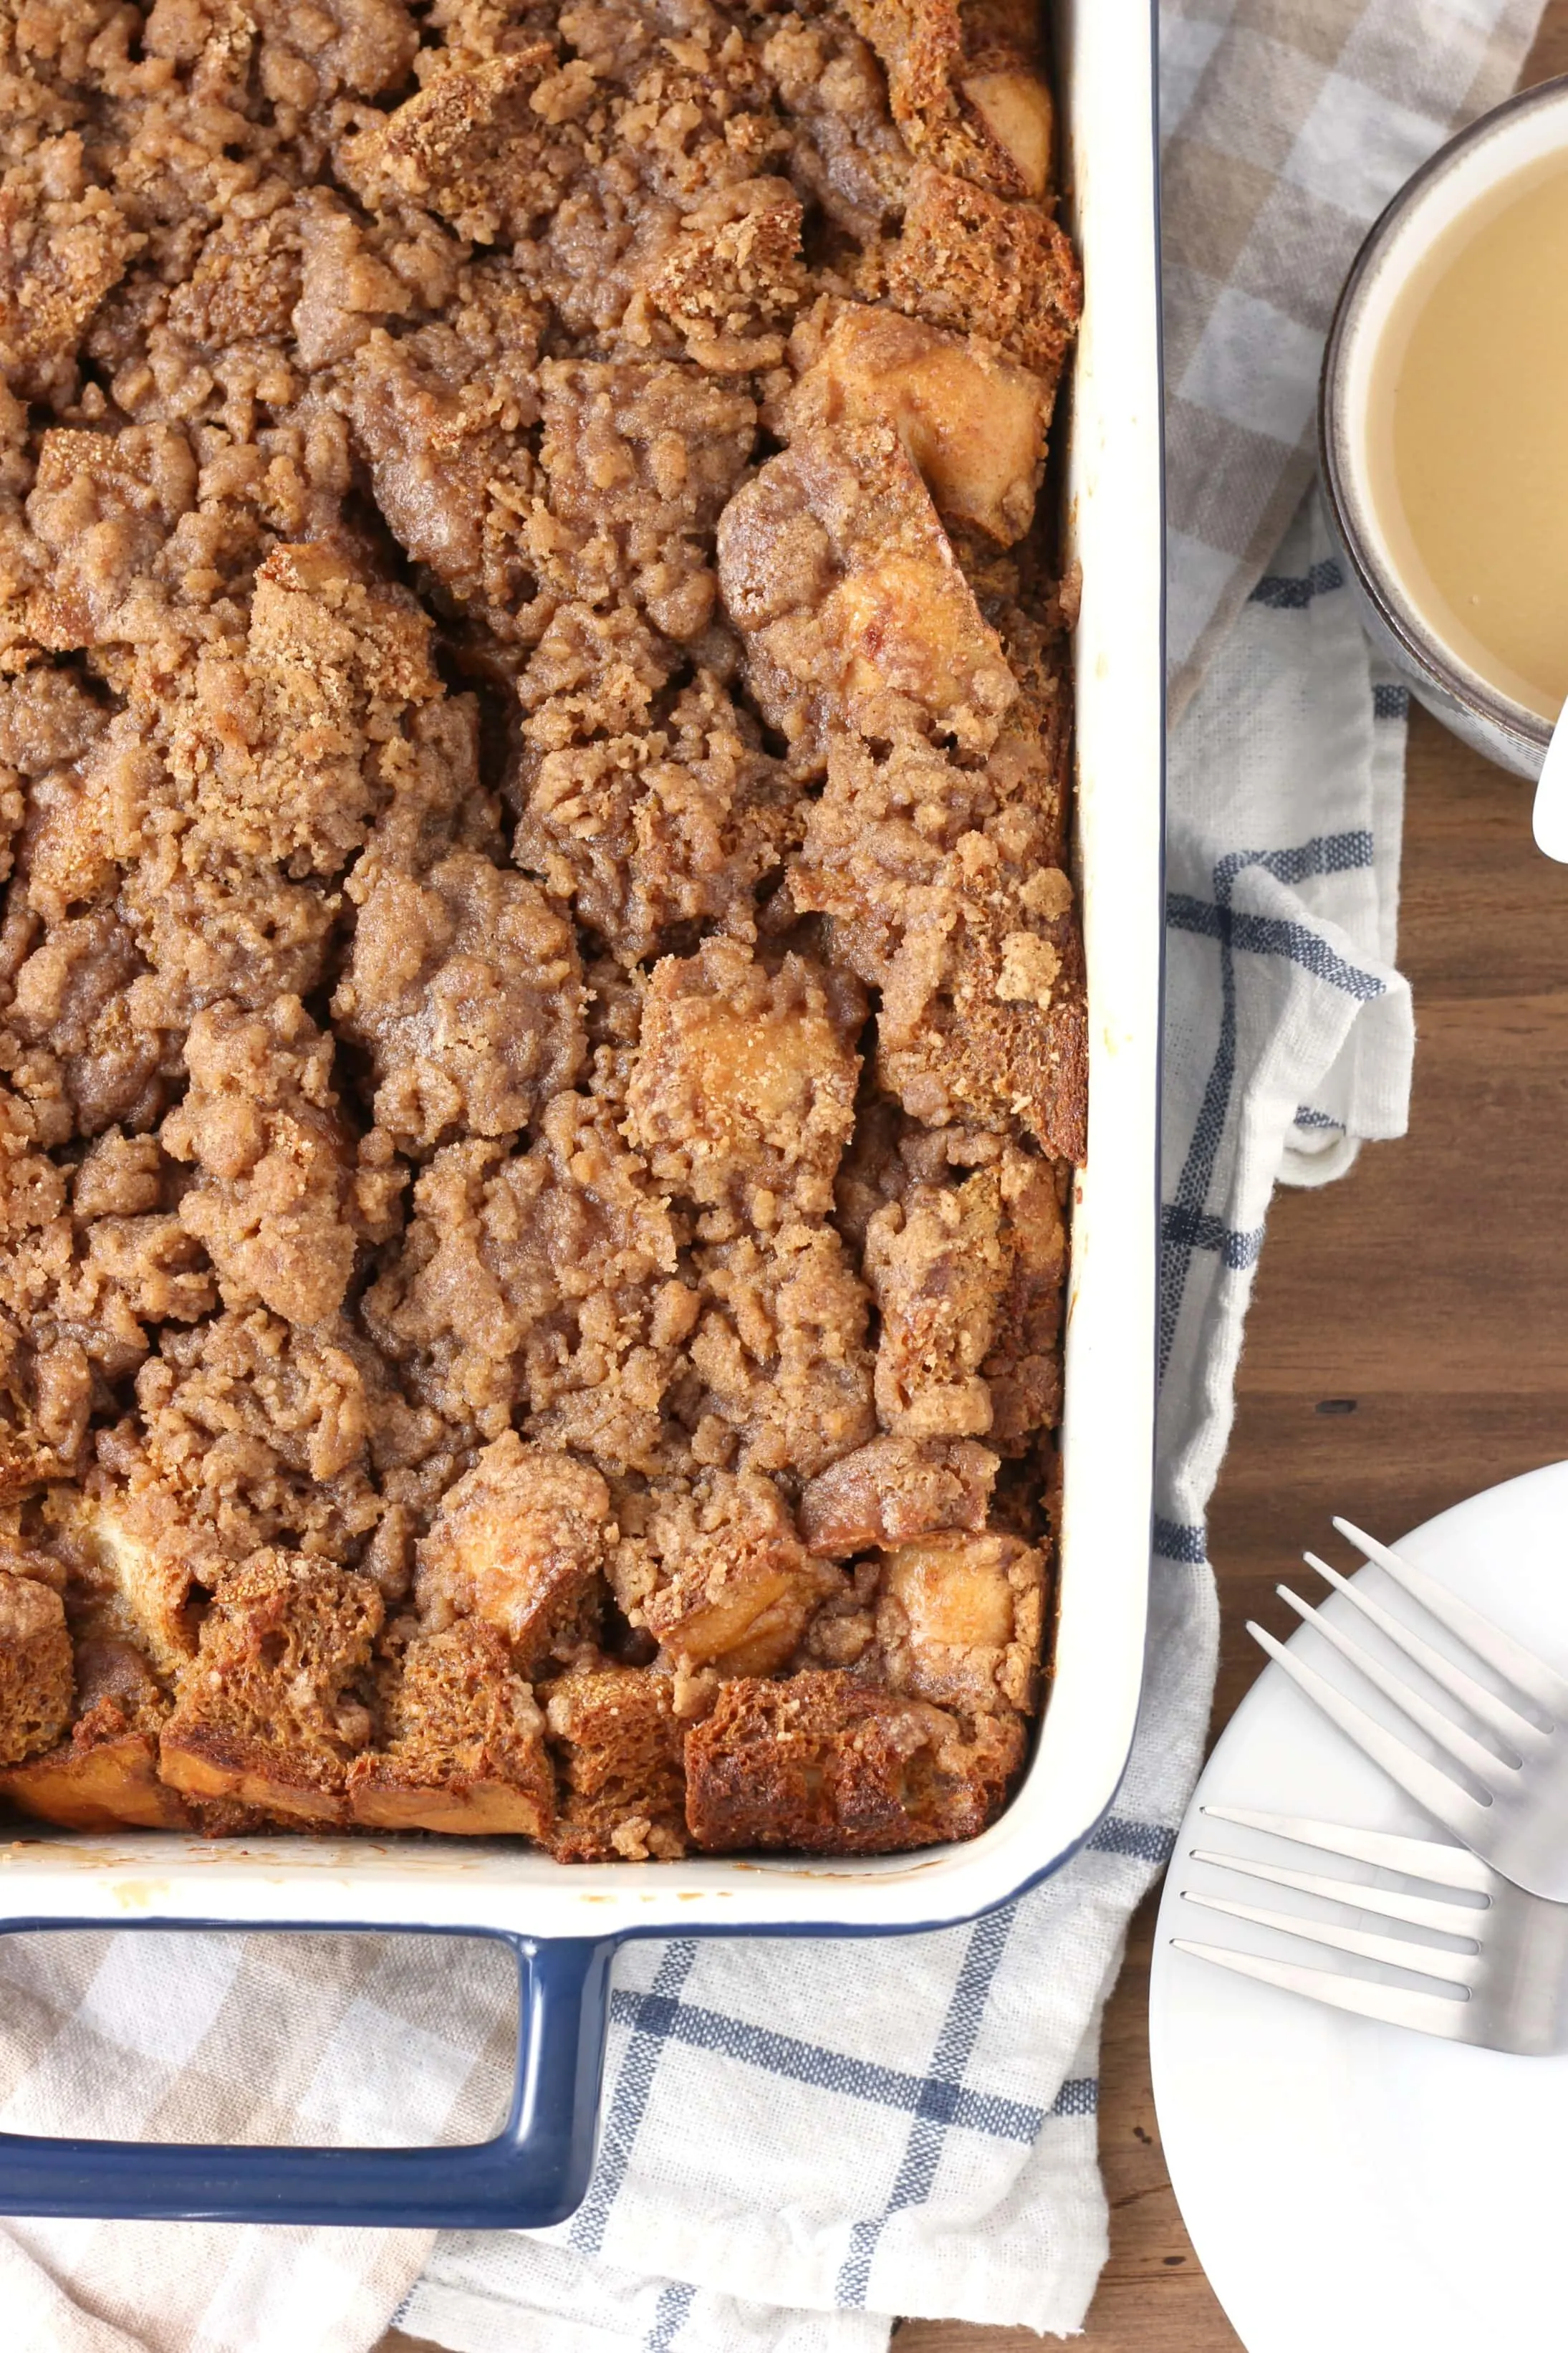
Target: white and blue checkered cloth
803	2139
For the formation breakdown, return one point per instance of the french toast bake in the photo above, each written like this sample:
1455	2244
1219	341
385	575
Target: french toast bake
541	1017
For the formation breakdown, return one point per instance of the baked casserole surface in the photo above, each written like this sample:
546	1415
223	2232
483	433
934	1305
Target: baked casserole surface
542	1019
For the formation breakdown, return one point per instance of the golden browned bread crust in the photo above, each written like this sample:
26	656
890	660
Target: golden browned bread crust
975	263
894	1489
463	1743
963	85
109	1784
266	1713
617	1744
542	1009
835	1764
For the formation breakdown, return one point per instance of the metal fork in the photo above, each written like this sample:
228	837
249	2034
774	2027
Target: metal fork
1508	1801
1507	1988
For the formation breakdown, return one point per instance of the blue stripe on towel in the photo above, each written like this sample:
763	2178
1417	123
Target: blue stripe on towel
662	2019
624	2114
1146	1842
1333	853
1199	1230
1079	2097
1172	1541
1267	935
923	2153
669	2315
1287	595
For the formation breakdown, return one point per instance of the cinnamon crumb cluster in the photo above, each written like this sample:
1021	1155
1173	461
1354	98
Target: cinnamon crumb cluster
541	1021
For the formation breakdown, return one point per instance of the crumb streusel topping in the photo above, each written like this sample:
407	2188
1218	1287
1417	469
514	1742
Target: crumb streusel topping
541	1022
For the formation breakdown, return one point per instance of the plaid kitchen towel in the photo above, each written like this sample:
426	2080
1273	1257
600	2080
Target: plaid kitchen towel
1286	125
803	2139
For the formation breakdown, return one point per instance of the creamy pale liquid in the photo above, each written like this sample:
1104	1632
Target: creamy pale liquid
1470	437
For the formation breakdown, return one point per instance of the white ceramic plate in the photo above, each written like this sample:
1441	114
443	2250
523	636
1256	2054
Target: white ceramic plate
1347	2185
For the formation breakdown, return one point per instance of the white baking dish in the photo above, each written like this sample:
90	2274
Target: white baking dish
1105	71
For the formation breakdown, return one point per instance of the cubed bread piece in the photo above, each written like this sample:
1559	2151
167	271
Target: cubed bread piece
744	1092
833	1765
618	1752
959	1621
974	421
973	262
963	88
274	1204
968	1278
472	146
720	1578
103	505
35	1677
1012	122
544	1279
440	414
135	1558
105	1775
467	1748
895	1489
109	1784
248	1432
837	573
267	1712
647	832
1003	1038
519	1542
940	883
66	248
45	1397
731	276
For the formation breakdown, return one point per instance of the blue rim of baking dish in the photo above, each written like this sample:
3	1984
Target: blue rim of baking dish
535	2170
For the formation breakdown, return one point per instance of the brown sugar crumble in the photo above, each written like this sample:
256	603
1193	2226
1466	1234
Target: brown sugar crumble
541	1016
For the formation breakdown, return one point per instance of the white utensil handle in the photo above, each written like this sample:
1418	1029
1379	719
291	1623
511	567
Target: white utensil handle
1550	817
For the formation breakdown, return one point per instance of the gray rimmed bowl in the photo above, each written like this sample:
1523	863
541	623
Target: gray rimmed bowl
1527	129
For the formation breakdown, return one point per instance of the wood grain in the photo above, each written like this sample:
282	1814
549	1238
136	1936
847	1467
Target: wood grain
1427	1288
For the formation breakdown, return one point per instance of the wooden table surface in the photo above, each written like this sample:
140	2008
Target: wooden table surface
1430	1295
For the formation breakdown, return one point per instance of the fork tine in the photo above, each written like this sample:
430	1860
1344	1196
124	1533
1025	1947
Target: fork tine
1395	1952
1441	1866
1501	1652
1522	1737
1427	2013
1389	1903
1443	1799
1475	1757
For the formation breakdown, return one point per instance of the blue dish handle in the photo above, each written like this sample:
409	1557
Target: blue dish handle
534	2172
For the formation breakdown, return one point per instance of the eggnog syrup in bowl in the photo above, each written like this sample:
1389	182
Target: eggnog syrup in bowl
1467	437
1444	428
